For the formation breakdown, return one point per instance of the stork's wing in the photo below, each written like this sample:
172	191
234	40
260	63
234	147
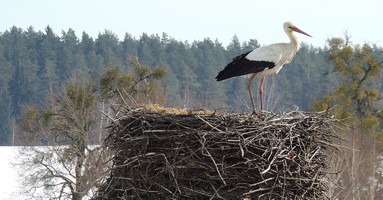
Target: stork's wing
251	62
270	53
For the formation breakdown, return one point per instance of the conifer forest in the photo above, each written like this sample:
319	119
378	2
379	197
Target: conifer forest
34	62
42	70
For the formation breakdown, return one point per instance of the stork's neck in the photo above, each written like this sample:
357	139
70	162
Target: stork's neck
293	40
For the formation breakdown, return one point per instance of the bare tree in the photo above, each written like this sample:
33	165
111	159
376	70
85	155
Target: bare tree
357	101
61	160
357	168
273	97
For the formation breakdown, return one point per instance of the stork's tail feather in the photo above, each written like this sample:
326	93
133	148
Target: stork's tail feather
240	65
227	72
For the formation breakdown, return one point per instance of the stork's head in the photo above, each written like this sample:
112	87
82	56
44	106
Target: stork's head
289	28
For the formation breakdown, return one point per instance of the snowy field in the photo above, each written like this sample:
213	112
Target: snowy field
9	184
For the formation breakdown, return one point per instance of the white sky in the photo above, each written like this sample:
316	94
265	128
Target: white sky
198	19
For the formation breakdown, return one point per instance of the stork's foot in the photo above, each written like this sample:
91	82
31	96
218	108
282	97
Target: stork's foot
255	113
258	114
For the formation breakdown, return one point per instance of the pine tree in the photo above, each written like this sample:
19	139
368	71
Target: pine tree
107	46
140	85
357	101
5	100
236	91
357	96
24	83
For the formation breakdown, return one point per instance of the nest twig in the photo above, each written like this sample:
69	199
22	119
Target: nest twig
188	156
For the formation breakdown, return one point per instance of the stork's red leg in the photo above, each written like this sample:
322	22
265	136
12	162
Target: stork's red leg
251	94
261	91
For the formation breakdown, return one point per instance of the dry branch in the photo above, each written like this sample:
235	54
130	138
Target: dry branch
161	155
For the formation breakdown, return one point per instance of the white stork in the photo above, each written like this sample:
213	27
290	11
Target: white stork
263	61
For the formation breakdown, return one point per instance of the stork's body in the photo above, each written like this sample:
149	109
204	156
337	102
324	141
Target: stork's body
263	61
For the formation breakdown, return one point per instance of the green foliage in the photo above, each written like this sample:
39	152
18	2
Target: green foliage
78	97
357	97
68	115
35	63
322	104
6	106
141	83
370	122
158	72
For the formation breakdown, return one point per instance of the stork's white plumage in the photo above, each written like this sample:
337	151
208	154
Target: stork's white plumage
263	61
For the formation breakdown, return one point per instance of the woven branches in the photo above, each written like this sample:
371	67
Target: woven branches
158	155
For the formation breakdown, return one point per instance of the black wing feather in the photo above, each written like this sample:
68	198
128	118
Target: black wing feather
240	65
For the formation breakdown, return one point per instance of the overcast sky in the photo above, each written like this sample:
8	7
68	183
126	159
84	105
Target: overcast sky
198	19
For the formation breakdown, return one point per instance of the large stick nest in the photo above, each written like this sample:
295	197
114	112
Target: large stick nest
159	155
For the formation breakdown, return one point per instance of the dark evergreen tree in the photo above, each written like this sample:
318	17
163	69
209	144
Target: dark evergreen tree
207	56
107	46
24	83
93	61
5	100
46	48
236	90
144	50
36	62
157	50
129	48
87	44
249	45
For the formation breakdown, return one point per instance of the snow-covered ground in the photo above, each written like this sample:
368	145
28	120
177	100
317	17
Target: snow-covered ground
9	184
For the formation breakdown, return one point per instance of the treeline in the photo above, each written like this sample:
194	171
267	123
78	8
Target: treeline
32	63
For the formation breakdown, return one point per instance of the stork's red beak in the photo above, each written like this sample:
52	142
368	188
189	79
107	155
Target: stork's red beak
300	31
